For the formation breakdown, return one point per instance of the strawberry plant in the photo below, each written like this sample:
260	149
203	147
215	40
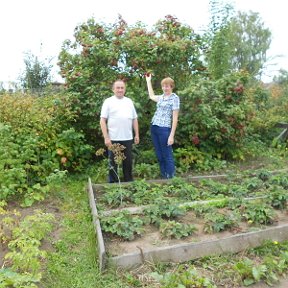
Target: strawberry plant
214	188
235	203
280	180
217	222
146	171
115	197
264	175
200	210
173	229
183	190
183	277
278	198
249	272
238	191
163	209
258	212
254	183
145	194
123	224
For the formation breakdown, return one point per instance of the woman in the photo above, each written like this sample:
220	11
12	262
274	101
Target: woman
164	124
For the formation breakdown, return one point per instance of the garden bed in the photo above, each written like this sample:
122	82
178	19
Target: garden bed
176	221
152	238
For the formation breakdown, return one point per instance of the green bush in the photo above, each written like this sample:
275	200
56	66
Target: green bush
214	116
36	141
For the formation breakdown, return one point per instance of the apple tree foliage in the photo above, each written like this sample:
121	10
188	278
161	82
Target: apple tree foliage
215	112
215	115
102	53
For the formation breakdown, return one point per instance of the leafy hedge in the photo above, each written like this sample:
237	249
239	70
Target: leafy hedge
37	142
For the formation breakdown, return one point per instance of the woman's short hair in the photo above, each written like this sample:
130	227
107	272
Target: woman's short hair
168	81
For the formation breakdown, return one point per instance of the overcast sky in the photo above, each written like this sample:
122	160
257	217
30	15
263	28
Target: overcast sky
41	26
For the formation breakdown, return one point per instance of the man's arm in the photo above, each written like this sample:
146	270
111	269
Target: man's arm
136	131
103	125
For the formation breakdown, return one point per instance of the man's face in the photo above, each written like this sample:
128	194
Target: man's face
119	89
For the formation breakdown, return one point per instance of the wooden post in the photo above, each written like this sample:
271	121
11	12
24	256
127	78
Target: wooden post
97	226
284	134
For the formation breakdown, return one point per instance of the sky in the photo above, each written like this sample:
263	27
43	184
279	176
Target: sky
41	26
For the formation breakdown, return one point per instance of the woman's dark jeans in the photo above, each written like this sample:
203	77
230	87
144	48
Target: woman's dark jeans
163	152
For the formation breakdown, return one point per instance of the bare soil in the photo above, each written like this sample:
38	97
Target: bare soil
151	238
46	206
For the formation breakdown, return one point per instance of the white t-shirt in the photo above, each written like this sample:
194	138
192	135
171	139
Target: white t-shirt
119	114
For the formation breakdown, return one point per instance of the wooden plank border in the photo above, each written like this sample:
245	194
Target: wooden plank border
180	252
189	251
97	226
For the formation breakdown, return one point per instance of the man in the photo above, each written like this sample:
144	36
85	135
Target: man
118	119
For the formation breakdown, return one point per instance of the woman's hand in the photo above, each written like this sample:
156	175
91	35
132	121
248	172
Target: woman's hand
170	141
148	76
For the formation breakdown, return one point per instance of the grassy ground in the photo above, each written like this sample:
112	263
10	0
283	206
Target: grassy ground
72	261
72	256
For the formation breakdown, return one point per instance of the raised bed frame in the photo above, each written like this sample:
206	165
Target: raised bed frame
180	252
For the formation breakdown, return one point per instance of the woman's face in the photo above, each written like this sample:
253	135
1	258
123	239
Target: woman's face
167	89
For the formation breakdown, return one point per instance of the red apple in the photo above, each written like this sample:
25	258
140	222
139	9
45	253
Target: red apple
59	151
64	160
195	140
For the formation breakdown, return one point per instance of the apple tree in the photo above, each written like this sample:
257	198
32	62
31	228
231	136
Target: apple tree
102	53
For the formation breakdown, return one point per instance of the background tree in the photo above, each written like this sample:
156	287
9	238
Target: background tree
2	89
219	51
37	73
279	91
250	41
282	78
235	42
